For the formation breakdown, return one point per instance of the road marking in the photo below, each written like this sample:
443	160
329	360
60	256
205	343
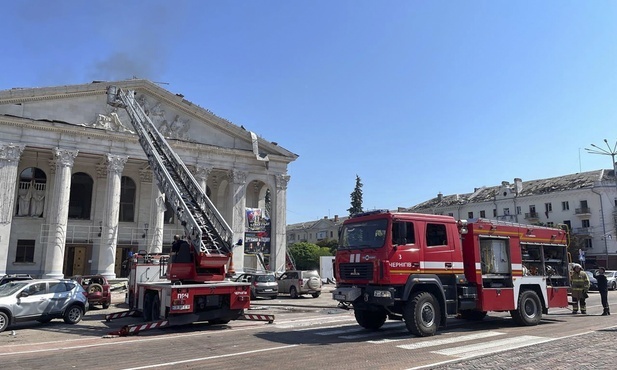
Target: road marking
485	348
211	357
440	342
310	322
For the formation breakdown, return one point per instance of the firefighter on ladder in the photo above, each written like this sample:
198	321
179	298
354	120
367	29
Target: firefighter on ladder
580	287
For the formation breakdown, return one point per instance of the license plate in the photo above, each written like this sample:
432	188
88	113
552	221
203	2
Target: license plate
267	290
182	307
340	297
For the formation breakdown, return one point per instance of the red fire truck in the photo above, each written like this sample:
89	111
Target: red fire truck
424	268
190	285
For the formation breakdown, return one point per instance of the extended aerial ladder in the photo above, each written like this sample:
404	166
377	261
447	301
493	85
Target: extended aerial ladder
209	234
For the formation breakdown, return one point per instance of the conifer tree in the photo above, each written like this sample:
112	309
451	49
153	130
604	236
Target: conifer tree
356	198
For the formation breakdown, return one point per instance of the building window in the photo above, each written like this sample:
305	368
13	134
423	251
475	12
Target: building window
127	199
331	234
565	206
506	211
548	207
24	251
483	214
469	214
585	223
550	224
322	235
494	212
451	214
80	201
588	244
518	210
31	193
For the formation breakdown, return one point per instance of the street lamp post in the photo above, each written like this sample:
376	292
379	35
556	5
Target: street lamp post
612	152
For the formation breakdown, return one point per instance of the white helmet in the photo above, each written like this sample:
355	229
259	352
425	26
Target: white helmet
575	265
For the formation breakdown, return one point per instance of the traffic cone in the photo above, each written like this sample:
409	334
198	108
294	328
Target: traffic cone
230	270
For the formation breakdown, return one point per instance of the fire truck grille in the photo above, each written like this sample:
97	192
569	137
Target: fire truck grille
358	271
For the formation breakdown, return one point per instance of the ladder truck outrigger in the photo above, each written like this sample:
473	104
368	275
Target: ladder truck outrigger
192	284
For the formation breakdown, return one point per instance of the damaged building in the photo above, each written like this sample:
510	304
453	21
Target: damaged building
585	202
78	196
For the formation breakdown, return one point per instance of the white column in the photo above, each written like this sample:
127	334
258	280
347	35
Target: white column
9	160
106	252
58	213
201	175
155	244
238	214
278	244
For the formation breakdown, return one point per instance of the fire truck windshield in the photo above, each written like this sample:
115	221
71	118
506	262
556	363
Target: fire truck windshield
366	234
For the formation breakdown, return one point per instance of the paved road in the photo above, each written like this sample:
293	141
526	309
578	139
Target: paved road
312	333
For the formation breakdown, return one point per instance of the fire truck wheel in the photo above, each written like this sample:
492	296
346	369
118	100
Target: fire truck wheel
148	307
156	307
371	320
73	314
529	310
422	314
293	292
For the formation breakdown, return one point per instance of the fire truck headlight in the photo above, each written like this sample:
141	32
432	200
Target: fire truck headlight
382	294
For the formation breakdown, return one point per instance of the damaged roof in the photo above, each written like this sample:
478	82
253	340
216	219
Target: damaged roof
527	188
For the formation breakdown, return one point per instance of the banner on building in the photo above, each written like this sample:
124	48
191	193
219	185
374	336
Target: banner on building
257	235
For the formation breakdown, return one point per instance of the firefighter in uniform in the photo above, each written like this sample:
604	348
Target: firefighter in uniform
580	287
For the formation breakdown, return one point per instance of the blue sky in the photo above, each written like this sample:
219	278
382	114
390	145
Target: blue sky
415	97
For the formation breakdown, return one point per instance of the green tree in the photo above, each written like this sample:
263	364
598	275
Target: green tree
356	198
331	244
307	255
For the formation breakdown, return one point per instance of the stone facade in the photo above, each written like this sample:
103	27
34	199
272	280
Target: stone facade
77	191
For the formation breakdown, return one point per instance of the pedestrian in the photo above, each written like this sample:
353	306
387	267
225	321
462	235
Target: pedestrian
603	288
580	287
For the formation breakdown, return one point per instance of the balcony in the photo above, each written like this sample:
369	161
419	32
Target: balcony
583	211
583	231
532	216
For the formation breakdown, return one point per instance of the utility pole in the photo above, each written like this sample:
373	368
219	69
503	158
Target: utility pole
612	152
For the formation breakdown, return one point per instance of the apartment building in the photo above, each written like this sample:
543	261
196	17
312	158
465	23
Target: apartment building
314	231
585	202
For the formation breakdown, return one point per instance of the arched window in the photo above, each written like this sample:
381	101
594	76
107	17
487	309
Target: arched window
80	202
31	193
127	199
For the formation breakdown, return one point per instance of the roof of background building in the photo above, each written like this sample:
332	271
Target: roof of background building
311	224
526	188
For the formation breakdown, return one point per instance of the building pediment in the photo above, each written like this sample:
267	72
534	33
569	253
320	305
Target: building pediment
85	106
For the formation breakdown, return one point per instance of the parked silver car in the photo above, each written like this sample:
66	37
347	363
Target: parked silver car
262	284
296	283
611	279
41	300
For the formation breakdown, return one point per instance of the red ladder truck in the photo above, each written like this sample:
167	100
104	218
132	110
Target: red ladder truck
192	284
425	268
